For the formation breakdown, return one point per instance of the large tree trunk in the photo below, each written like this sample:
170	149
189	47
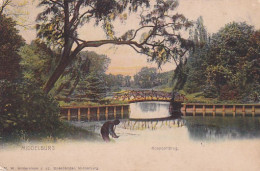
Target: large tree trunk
65	59
56	75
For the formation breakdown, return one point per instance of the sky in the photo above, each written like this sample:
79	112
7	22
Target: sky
124	60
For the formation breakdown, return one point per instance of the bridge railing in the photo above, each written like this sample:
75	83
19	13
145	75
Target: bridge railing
135	95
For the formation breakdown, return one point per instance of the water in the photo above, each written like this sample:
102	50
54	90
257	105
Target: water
198	128
222	128
149	110
151	117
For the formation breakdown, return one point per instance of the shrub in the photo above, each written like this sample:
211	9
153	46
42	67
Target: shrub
26	109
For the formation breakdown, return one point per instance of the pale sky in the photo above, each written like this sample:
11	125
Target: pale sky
124	60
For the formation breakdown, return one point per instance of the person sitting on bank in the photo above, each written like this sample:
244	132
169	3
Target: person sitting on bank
109	128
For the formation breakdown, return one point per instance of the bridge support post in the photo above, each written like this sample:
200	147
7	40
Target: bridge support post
98	113
68	114
253	110
106	114
194	110
203	110
234	110
88	114
214	110
184	109
243	111
122	112
223	110
114	112
78	114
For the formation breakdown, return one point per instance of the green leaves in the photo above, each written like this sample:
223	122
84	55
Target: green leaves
149	78
37	62
93	87
59	22
10	43
223	67
23	106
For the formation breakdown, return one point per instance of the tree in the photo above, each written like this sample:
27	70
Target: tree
93	87
159	28
26	110
196	63
164	78
15	9
146	78
127	81
228	61
84	64
10	43
227	65
4	4
116	82
37	62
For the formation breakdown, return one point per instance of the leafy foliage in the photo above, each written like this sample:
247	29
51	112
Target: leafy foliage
15	9
10	43
77	72
146	78
25	109
161	41
193	73
115	82
93	87
37	62
225	65
149	78
230	59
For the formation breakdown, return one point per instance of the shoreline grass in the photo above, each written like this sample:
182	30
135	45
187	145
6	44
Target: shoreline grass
66	132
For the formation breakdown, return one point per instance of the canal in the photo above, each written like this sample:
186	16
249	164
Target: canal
154	116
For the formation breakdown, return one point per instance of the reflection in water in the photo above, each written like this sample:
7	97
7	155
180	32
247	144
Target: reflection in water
152	116
214	128
148	110
151	124
155	115
202	128
147	107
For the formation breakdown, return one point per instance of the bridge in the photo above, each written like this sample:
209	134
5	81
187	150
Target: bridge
146	95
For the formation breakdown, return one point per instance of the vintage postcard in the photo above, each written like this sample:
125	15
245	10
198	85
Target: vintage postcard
129	85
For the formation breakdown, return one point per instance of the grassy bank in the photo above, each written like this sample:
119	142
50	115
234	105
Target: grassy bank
65	132
199	98
89	103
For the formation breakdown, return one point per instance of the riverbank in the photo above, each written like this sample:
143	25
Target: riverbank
65	132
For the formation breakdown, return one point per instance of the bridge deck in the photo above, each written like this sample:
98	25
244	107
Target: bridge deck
146	95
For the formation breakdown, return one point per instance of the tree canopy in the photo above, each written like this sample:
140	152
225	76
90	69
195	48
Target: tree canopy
93	87
16	9
10	43
24	107
37	62
158	28
192	77
233	62
81	67
226	64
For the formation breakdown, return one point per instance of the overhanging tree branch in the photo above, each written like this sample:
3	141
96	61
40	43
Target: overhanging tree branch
157	28
5	3
56	2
